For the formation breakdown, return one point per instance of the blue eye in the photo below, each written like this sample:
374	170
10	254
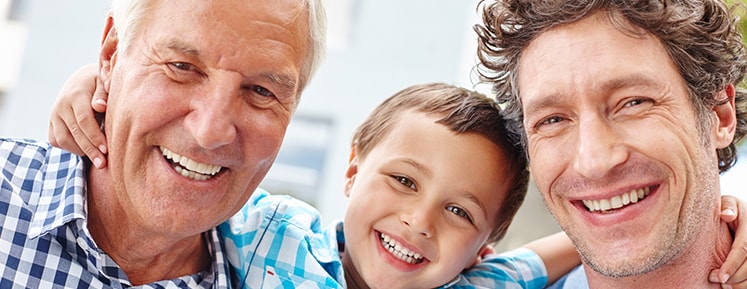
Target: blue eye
181	66
459	212
262	91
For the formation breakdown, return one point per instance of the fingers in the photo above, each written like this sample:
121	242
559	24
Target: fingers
59	134
73	125
733	272
729	209
88	136
100	97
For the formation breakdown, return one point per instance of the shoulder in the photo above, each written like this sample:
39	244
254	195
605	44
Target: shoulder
18	151
276	236
30	166
270	218
576	279
264	209
520	268
26	153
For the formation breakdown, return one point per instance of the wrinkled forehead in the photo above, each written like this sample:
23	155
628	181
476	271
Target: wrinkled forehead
291	15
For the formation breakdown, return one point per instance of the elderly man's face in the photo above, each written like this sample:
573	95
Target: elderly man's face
614	146
198	107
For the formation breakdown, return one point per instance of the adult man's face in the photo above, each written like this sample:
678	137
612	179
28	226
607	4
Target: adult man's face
198	107
614	145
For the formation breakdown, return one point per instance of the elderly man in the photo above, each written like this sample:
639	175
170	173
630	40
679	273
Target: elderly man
200	95
629	110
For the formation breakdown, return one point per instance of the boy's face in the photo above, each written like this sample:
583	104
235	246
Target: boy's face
422	204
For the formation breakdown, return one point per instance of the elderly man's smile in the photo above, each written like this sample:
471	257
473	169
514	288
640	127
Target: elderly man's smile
190	168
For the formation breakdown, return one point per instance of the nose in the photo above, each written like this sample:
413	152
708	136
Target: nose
419	221
212	120
599	148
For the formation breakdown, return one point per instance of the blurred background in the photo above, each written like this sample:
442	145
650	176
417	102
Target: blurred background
376	47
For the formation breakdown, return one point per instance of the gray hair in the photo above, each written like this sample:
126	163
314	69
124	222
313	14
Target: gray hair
128	13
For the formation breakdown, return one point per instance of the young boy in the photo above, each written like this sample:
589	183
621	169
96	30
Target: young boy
432	180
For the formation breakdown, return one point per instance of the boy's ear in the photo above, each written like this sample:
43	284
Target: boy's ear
726	118
351	172
485	250
108	53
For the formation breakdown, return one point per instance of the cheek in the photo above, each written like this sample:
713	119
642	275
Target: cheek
462	251
545	163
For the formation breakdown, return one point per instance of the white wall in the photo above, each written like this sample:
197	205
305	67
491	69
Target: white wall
62	35
13	34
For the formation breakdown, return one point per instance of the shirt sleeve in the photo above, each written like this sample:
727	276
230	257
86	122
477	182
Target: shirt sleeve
519	268
576	279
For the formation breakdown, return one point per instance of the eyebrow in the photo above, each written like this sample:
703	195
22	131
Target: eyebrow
182	47
474	199
632	80
417	166
283	80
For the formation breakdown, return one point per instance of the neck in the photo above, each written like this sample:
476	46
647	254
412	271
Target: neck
144	255
353	279
689	269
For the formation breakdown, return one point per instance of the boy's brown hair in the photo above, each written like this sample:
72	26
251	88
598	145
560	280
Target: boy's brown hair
461	111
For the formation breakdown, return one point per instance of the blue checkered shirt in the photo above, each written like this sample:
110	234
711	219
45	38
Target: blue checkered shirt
278	242
44	238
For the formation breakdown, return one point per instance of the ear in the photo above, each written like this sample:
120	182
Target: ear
726	118
485	250
108	53
351	172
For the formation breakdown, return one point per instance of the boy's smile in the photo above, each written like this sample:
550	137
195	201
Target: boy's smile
399	250
423	202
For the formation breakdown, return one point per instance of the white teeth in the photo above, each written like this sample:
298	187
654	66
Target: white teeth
190	168
604	205
400	251
616	202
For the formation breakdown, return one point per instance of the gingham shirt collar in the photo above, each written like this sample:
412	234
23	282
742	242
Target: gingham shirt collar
68	208
47	217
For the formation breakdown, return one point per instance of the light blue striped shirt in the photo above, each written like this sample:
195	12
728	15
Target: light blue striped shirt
279	242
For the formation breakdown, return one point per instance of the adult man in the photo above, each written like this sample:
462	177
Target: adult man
200	95
629	110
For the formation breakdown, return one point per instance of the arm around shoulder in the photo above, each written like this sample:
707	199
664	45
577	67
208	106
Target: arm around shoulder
558	254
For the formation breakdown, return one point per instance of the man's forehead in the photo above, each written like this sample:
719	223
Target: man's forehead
282	12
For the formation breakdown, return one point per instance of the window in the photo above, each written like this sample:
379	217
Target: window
18	9
299	167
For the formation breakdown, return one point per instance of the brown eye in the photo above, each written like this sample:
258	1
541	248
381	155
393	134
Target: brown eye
459	212
407	182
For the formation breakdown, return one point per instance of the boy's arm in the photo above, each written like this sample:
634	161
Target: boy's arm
72	124
533	266
558	254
